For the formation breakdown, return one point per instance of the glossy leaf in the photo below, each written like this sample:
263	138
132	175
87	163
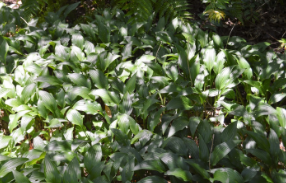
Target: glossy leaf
75	117
10	165
179	173
153	178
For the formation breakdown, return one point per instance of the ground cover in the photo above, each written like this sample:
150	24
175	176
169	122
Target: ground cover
112	101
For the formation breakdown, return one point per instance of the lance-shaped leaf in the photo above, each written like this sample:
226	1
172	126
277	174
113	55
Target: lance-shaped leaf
10	165
281	115
77	54
181	102
73	172
109	98
177	124
152	179
27	92
181	174
48	100
221	150
260	139
226	175
79	79
3	51
209	58
75	117
78	40
156	165
88	107
62	53
103	32
98	78
277	97
198	169
51	172
19	177
51	80
223	79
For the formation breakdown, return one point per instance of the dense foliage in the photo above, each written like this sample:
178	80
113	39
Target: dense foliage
114	100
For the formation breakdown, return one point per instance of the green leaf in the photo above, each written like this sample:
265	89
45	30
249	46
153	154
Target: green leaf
79	79
92	158
78	91
78	40
70	8
19	177
13	102
88	107
209	58
281	115
104	63
4	92
127	172
221	150
192	148
14	119
179	173
223	79
51	172
248	173
198	169
260	139
205	130
89	47
3	51
53	81
176	145
194	122
181	102
229	132
121	138
261	154
274	144
48	100
143	135
267	177
77	54
277	97
177	124
75	117
127	51
152	179
10	165
125	122
109	98
256	84
204	151
155	165
4	141
62	53
264	109
103	32
183	60
217	41
130	85
27	92
226	175
99	79
73	172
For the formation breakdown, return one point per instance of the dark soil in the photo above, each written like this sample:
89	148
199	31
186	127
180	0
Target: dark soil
268	24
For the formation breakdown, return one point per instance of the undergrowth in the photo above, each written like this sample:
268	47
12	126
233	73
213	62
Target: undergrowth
114	100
